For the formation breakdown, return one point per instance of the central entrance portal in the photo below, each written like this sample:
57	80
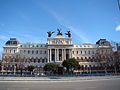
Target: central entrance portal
57	55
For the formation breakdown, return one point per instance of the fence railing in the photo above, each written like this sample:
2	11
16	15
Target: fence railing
67	75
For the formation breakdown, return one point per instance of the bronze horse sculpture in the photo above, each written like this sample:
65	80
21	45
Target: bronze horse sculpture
50	33
68	33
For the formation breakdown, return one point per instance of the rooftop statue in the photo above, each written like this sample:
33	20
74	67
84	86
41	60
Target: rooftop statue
50	33
59	32
68	33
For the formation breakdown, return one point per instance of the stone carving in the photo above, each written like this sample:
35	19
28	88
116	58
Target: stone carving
59	32
68	33
50	33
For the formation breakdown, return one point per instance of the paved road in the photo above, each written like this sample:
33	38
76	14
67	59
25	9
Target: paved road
106	84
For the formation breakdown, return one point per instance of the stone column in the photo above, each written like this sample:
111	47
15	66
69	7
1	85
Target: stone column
62	54
57	54
70	53
50	55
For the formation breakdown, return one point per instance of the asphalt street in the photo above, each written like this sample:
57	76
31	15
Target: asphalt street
104	84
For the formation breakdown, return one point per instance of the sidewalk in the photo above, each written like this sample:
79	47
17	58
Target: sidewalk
57	78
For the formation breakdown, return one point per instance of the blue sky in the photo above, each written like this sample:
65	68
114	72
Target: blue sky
88	20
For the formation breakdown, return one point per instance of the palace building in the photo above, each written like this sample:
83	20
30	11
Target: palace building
17	56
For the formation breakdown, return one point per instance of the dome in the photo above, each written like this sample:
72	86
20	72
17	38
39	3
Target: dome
12	41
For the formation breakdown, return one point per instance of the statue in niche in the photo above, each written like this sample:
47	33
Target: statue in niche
68	33
50	33
59	32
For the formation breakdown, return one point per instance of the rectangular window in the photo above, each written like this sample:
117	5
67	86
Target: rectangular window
28	51
77	52
73	52
88	52
37	52
24	51
81	52
32	52
40	52
92	52
45	52
14	51
85	52
10	51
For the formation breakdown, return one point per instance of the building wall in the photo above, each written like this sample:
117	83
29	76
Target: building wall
22	55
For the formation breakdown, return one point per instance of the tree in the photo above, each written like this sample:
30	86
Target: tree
31	68
116	61
71	64
51	67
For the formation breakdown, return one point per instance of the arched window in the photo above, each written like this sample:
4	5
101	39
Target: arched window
28	51
85	57
89	57
81	52
45	52
32	52
85	52
77	52
82	58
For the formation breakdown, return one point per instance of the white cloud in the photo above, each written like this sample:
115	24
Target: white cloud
79	34
118	28
75	30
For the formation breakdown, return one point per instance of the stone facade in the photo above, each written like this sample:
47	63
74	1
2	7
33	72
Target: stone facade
59	48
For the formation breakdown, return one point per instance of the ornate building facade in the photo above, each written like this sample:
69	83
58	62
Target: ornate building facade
17	56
